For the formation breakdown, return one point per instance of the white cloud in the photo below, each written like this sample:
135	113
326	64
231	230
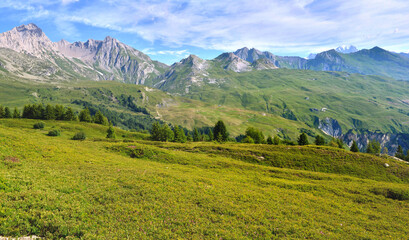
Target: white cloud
66	2
275	25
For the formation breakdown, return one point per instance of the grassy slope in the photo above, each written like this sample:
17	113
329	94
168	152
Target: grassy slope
93	189
375	101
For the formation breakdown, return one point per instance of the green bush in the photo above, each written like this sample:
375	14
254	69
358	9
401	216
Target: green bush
79	136
54	133
39	125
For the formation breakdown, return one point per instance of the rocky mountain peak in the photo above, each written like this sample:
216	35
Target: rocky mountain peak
28	38
346	49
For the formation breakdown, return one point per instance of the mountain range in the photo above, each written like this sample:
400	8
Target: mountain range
332	93
35	56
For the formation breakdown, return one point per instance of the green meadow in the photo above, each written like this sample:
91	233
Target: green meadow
133	188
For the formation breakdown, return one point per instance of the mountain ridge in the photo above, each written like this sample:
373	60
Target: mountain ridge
107	59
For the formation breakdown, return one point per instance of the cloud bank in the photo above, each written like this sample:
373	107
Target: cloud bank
290	25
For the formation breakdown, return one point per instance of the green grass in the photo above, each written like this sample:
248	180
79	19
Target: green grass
55	187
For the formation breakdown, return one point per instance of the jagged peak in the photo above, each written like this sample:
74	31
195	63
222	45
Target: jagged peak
192	59
63	42
227	56
28	27
110	39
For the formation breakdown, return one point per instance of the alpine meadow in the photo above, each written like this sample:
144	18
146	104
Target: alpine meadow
204	132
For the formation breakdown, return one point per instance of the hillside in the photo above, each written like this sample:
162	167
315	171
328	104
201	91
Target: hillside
55	187
352	102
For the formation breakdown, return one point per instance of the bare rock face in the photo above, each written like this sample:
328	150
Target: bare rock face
232	62
97	60
28	39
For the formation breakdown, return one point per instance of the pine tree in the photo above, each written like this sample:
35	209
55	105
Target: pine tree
269	140
220	129
354	147
166	133
399	152
111	132
38	111
7	113
99	118
196	135
303	139
1	111
156	132
69	115
374	147
319	140
211	136
179	135
49	113
189	137
16	113
85	115
59	112
276	140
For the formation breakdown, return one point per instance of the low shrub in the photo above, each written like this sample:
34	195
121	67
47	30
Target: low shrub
54	133
392	193
79	136
39	125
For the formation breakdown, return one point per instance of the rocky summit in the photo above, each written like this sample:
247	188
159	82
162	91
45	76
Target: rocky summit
97	60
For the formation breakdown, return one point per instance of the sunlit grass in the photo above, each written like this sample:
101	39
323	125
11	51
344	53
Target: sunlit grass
60	188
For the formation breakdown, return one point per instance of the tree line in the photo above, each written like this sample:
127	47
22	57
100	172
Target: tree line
164	132
53	112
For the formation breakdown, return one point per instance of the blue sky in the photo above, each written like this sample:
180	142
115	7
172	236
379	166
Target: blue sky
171	30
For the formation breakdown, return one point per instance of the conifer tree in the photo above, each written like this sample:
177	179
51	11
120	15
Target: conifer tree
16	113
179	134
1	111
399	152
166	133
156	132
196	135
111	132
7	113
276	140
211	136
99	118
354	147
303	139
319	140
220	129
69	115
85	115
49	113
59	112
269	140
189	137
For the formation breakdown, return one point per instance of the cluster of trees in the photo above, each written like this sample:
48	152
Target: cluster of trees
166	133
5	112
56	112
122	119
400	154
